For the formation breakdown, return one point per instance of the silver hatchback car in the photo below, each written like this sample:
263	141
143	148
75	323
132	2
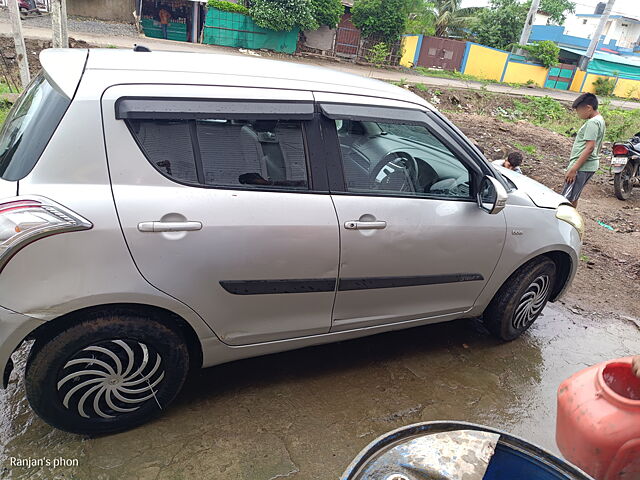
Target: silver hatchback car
161	212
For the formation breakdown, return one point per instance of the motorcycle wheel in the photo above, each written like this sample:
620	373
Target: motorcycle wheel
622	182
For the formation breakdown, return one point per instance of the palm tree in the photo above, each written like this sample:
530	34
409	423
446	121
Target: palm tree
446	17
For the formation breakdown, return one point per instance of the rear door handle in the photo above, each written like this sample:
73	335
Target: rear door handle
357	225
169	226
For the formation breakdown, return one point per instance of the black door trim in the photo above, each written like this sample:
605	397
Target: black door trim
273	287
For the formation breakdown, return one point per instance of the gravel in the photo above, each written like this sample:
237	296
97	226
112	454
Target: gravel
77	24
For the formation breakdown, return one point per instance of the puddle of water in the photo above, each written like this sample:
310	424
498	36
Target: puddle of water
307	413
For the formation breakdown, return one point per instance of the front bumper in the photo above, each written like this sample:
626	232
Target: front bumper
14	327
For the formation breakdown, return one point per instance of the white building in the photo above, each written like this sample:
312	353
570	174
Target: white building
541	18
624	30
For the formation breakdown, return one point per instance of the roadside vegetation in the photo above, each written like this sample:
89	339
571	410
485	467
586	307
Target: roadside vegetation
545	112
5	105
4	111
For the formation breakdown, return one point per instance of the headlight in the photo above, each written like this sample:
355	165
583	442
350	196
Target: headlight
569	214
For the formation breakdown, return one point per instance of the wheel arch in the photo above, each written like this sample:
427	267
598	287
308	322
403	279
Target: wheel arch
159	314
565	267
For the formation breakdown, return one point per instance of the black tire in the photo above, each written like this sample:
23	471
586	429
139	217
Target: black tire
141	366
622	182
521	299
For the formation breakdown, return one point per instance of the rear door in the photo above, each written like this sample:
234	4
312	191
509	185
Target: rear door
220	207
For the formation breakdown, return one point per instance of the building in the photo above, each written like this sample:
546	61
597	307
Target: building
622	30
542	18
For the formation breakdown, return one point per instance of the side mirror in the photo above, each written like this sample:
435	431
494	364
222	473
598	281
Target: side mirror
455	451
492	196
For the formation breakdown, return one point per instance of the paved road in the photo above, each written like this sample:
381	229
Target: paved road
121	41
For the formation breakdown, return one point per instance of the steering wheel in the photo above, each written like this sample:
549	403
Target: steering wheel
397	171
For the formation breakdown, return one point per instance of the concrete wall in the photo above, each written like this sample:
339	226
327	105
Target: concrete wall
322	38
485	62
114	10
517	72
627	88
578	78
410	50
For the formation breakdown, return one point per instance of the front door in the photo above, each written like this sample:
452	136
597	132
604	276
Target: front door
444	53
414	244
216	201
560	76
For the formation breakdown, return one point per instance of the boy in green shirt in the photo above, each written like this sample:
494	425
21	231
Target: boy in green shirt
585	154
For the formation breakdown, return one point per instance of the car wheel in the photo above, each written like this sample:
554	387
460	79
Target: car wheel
106	374
521	299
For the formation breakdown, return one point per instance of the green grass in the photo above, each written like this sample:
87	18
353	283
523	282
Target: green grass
530	149
4	111
427	72
4	88
553	115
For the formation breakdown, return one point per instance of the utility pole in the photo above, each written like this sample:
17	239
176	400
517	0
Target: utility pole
584	60
21	49
528	23
59	23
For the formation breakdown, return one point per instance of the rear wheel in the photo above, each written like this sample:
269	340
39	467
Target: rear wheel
623	182
106	374
521	299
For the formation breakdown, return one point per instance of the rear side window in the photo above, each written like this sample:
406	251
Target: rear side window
226	153
29	127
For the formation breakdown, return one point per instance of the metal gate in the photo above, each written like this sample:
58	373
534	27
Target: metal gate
347	37
444	53
560	76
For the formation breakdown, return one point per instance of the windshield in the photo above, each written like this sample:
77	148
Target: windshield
29	126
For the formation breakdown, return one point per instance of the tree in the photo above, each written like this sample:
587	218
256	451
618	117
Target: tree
283	15
421	19
545	52
557	9
327	12
451	20
386	19
443	18
500	25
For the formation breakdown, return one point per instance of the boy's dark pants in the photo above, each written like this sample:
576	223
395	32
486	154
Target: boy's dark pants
572	191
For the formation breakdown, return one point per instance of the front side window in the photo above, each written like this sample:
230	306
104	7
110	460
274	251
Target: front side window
29	127
399	159
226	153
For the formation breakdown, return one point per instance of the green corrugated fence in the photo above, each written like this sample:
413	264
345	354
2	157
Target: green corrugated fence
236	30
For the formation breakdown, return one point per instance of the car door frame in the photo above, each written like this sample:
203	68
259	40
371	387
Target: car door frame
317	179
441	129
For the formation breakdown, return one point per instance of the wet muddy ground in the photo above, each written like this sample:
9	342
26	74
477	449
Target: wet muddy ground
306	414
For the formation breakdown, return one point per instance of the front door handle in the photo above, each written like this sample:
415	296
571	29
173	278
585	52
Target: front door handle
169	226
358	225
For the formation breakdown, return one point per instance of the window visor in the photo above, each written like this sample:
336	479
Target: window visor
138	108
367	113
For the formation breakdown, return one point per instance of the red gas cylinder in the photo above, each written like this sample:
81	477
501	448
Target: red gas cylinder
598	425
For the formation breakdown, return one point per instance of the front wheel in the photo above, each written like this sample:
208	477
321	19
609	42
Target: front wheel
623	183
521	299
106	374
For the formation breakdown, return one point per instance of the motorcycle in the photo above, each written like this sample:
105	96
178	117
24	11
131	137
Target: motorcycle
28	6
625	166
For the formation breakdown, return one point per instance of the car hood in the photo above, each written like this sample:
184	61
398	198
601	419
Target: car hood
8	189
542	196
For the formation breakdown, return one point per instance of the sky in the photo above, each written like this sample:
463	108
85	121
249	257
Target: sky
621	7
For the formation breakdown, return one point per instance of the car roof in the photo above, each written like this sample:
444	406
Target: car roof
250	71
